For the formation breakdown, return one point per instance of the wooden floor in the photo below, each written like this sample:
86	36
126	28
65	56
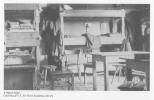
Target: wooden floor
80	86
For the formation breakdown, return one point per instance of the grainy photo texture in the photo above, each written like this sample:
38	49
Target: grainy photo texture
77	47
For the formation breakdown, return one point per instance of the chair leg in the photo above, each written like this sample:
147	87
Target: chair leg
45	77
116	71
79	72
52	84
125	76
71	82
85	75
119	70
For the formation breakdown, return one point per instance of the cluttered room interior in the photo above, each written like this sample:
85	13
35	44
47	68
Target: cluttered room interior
77	47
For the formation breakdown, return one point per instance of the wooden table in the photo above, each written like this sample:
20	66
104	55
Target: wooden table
109	57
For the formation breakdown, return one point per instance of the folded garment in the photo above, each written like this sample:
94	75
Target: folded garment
30	26
14	24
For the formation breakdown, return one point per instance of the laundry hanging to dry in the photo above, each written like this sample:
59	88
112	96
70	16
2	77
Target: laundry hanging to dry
51	35
92	42
128	41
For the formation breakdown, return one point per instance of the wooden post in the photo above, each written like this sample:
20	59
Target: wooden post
123	24
94	62
62	32
106	74
36	25
72	81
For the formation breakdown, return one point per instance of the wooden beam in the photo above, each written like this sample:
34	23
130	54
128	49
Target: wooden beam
94	13
104	40
123	26
21	6
18	66
62	31
22	44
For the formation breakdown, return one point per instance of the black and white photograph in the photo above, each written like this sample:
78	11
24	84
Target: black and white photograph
76	47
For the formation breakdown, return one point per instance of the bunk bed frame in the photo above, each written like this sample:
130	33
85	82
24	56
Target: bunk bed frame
20	39
93	14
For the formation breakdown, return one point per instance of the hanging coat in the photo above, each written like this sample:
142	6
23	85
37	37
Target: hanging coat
126	44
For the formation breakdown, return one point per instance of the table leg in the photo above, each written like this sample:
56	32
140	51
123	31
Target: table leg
45	76
79	72
148	78
85	74
35	87
52	84
106	75
94	76
73	82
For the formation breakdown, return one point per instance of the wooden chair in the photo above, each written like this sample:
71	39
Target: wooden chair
90	66
134	80
68	54
134	84
87	65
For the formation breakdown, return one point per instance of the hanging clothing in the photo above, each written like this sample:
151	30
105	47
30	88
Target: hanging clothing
53	42
126	45
59	42
51	35
146	39
93	42
128	41
49	38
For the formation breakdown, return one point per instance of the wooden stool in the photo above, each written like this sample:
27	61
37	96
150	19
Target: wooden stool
47	68
118	70
62	74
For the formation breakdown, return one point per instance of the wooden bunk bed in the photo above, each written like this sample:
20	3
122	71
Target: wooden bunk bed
80	40
21	46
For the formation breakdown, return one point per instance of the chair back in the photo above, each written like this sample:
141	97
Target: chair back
72	57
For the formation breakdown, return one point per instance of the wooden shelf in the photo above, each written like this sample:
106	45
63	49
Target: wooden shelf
18	66
17	55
